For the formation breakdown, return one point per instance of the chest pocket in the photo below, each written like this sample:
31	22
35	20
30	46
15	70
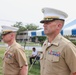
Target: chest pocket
55	58
52	58
8	58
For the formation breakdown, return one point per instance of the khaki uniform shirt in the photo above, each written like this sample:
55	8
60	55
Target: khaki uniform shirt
14	59
59	57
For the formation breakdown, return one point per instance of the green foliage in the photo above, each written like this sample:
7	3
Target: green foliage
31	26
25	27
41	38
73	41
20	26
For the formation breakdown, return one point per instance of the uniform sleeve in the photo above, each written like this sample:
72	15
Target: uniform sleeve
20	57
70	56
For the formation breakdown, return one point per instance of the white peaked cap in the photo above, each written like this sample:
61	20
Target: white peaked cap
6	29
53	14
9	28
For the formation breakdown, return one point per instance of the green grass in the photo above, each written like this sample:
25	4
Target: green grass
23	43
1	56
35	70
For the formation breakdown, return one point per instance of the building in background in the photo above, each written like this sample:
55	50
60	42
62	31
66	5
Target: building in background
23	36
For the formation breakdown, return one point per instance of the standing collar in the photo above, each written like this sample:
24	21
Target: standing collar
56	40
13	44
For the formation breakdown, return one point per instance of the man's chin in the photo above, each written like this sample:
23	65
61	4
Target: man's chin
46	33
5	41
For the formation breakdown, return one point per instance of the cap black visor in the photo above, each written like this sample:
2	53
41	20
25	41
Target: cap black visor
50	20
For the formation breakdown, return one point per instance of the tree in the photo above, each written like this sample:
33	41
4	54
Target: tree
31	26
25	27
20	26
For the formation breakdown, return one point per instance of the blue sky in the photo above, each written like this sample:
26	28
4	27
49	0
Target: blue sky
29	11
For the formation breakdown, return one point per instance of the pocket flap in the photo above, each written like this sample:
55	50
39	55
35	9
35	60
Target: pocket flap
55	59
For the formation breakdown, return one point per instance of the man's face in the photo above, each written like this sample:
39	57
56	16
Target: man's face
7	37
50	27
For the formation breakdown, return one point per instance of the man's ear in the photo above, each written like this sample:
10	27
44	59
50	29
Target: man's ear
58	26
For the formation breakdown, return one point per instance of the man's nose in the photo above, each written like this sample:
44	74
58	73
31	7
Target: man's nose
44	25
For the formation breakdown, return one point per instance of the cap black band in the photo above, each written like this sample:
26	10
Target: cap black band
6	33
50	20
